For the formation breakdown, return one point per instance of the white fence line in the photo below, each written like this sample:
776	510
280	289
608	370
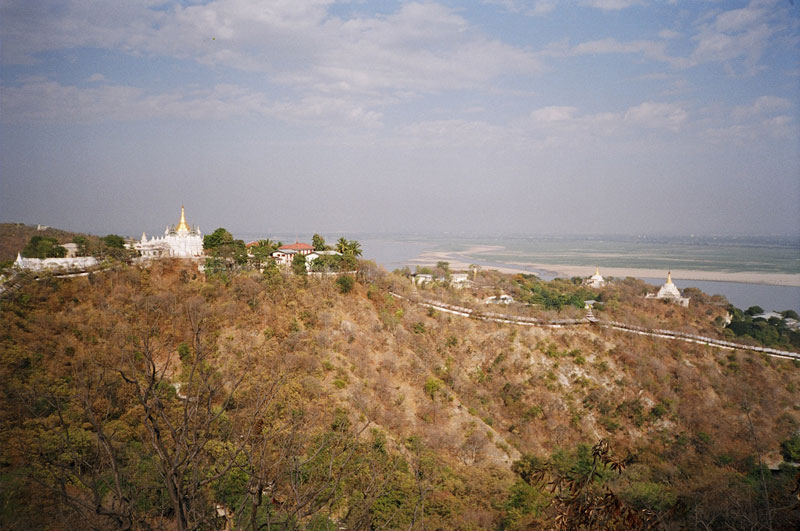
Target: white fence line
560	323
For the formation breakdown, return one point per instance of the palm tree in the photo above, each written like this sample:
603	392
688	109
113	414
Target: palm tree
354	248
341	245
273	246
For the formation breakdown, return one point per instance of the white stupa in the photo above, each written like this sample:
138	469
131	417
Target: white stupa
670	291
596	280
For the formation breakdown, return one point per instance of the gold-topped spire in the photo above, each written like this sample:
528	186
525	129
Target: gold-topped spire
597	270
182	225
669	277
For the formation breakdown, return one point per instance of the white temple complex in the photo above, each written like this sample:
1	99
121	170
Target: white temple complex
670	292
179	241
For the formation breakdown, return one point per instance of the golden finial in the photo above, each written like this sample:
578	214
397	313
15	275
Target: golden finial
669	277
182	225
597	270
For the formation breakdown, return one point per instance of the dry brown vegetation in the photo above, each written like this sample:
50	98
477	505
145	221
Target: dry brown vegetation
300	406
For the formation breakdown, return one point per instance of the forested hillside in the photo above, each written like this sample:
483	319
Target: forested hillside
14	237
156	398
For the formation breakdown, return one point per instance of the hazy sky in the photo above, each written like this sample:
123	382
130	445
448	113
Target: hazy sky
539	116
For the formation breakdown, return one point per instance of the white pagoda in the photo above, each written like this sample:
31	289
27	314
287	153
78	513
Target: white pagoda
670	292
180	241
596	280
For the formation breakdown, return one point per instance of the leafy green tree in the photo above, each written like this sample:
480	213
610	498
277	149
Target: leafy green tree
790	448
43	247
345	283
83	245
262	252
319	243
217	239
272	274
299	264
226	253
754	310
113	246
348	262
113	241
443	269
432	387
327	263
580	497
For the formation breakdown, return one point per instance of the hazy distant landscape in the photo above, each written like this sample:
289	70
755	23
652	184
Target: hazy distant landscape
774	260
718	254
319	265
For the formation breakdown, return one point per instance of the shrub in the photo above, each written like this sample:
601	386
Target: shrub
648	495
345	283
790	448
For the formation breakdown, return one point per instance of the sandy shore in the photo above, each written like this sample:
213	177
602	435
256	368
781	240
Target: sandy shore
459	260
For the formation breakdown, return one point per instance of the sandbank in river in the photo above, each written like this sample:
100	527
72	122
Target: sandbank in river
463	259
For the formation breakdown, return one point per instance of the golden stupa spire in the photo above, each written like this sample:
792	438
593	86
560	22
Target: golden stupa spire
597	270
182	225
669	277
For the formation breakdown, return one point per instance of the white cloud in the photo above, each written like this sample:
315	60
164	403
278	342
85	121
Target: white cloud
96	78
49	101
612	5
657	115
553	113
738	37
459	134
527	7
762	106
543	7
418	48
655	50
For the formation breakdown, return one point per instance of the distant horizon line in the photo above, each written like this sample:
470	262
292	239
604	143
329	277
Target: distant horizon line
471	234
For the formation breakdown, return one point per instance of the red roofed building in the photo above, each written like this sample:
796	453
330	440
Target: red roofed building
285	254
302	248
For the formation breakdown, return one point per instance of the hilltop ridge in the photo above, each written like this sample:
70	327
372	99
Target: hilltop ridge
427	416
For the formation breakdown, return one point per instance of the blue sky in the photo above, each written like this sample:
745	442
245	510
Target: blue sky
548	116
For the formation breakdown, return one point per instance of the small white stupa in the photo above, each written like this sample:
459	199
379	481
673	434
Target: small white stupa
670	291
596	280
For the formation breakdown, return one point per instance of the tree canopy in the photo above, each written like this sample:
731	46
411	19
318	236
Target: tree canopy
217	239
43	247
299	264
351	247
318	242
